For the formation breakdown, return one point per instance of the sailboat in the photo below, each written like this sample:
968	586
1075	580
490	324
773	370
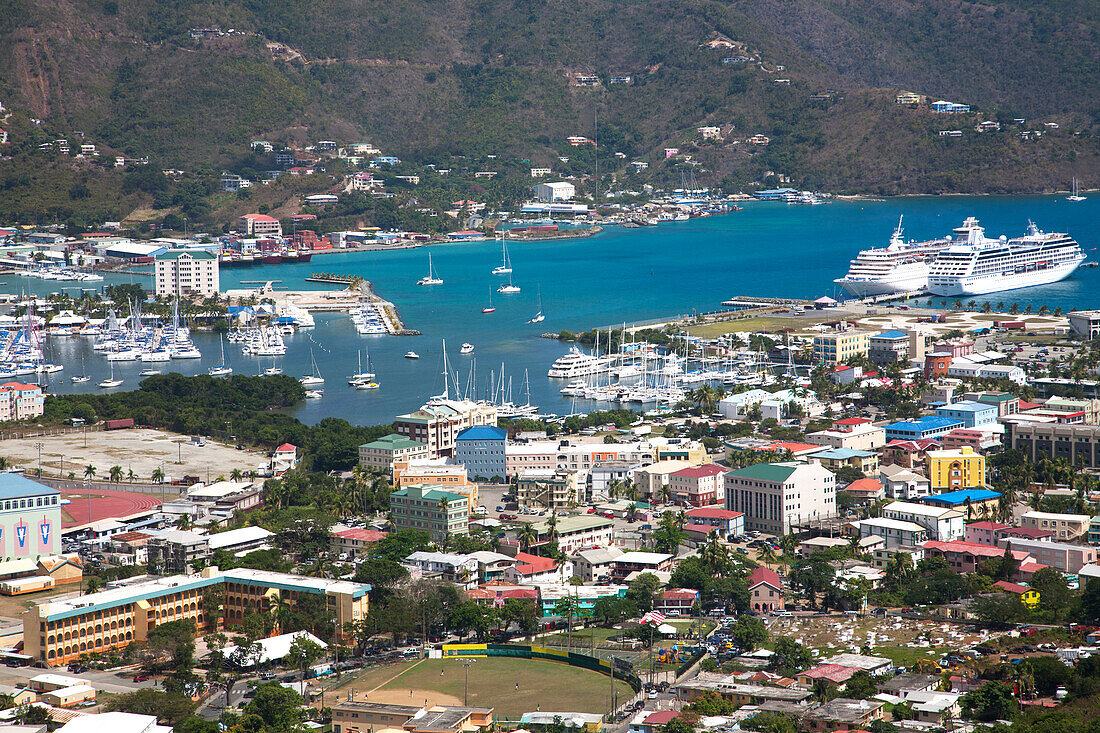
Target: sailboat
273	371
539	317
315	379
489	308
360	375
431	278
82	377
505	266
112	382
509	287
221	371
1075	196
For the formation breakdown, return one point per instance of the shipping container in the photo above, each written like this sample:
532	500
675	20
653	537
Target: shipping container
118	424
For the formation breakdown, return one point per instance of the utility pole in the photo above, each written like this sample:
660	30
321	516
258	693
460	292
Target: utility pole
467	663
39	446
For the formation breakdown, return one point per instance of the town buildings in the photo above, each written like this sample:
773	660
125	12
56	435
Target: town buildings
1066	527
1078	444
20	401
765	590
438	425
482	449
773	496
955	469
698	486
186	273
30	518
834	348
942	524
554	490
1059	555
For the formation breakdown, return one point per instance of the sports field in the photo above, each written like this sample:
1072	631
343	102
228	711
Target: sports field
550	686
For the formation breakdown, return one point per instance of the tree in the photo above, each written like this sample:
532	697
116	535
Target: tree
116	473
670	533
567	606
303	653
790	657
172	707
1054	594
280	708
860	686
709	704
643	590
89	471
610	610
678	725
750	632
157	476
991	701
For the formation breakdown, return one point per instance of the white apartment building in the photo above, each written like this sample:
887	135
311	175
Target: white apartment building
437	425
943	524
860	437
550	455
895	532
899	482
185	273
773	496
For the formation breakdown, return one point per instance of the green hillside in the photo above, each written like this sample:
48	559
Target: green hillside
424	79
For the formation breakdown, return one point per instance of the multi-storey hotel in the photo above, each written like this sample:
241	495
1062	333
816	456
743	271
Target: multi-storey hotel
57	632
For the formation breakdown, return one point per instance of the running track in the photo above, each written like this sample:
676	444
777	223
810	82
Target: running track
105	504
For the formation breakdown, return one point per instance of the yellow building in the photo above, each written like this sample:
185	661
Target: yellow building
836	348
951	470
59	631
1028	596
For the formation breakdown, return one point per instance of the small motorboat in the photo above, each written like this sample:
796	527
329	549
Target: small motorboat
314	394
366	385
466	349
148	372
411	355
272	371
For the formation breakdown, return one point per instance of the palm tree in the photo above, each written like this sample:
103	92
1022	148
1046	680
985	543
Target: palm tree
89	471
130	475
527	536
665	493
767	555
157	476
116	474
236	474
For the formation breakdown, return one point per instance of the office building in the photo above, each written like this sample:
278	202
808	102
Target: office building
894	532
481	449
382	453
945	525
1058	555
1066	527
836	348
548	193
59	631
1085	323
890	347
952	470
439	513
860	436
437	425
186	273
773	496
970	414
554	490
931	426
698	486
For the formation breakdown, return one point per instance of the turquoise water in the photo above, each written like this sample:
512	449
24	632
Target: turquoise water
768	249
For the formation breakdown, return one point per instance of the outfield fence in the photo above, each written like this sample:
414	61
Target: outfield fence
622	670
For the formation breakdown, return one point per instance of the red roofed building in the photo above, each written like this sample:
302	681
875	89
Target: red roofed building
20	401
964	557
676	601
865	490
765	590
796	449
849	423
698	485
284	459
907	453
355	541
712	517
647	721
536	569
259	225
986	533
833	674
1028	596
488	595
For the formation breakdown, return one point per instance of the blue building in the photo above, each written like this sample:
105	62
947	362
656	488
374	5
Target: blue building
932	426
481	449
972	414
956	499
775	194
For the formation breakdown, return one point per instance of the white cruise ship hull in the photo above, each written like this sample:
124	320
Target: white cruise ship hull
966	285
913	278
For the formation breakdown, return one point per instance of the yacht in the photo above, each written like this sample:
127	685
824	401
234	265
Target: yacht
575	363
272	371
366	385
508	287
978	265
467	348
82	377
899	267
505	267
411	355
538	317
315	379
1076	195
222	369
110	381
148	372
314	394
360	375
489	308
431	278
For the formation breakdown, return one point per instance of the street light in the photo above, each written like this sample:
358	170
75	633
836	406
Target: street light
467	663
336	646
39	446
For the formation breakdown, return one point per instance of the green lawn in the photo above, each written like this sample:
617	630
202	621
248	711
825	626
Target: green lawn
553	687
907	656
761	323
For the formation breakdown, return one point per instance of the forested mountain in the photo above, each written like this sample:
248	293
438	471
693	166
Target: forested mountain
424	78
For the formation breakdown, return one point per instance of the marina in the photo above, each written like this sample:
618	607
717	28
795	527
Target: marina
581	287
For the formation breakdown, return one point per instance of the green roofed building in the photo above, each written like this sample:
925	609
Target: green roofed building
775	496
186	272
426	507
383	452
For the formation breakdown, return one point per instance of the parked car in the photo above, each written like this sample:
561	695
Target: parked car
140	677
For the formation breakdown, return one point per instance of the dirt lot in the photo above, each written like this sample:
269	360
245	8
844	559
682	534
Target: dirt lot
139	450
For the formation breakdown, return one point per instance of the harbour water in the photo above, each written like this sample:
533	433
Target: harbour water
631	275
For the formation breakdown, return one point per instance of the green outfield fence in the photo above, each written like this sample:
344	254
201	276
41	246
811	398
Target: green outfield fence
623	670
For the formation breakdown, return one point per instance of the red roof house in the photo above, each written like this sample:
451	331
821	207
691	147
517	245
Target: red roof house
765	590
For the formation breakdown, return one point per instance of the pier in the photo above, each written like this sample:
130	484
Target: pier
334	279
357	292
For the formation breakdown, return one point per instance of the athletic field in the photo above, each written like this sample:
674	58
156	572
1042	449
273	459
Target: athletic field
550	686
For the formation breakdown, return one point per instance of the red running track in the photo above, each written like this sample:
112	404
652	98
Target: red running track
105	504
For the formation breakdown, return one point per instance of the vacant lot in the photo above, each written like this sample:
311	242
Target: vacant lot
551	686
140	450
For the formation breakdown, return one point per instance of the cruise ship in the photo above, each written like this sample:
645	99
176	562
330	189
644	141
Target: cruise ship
979	265
899	267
